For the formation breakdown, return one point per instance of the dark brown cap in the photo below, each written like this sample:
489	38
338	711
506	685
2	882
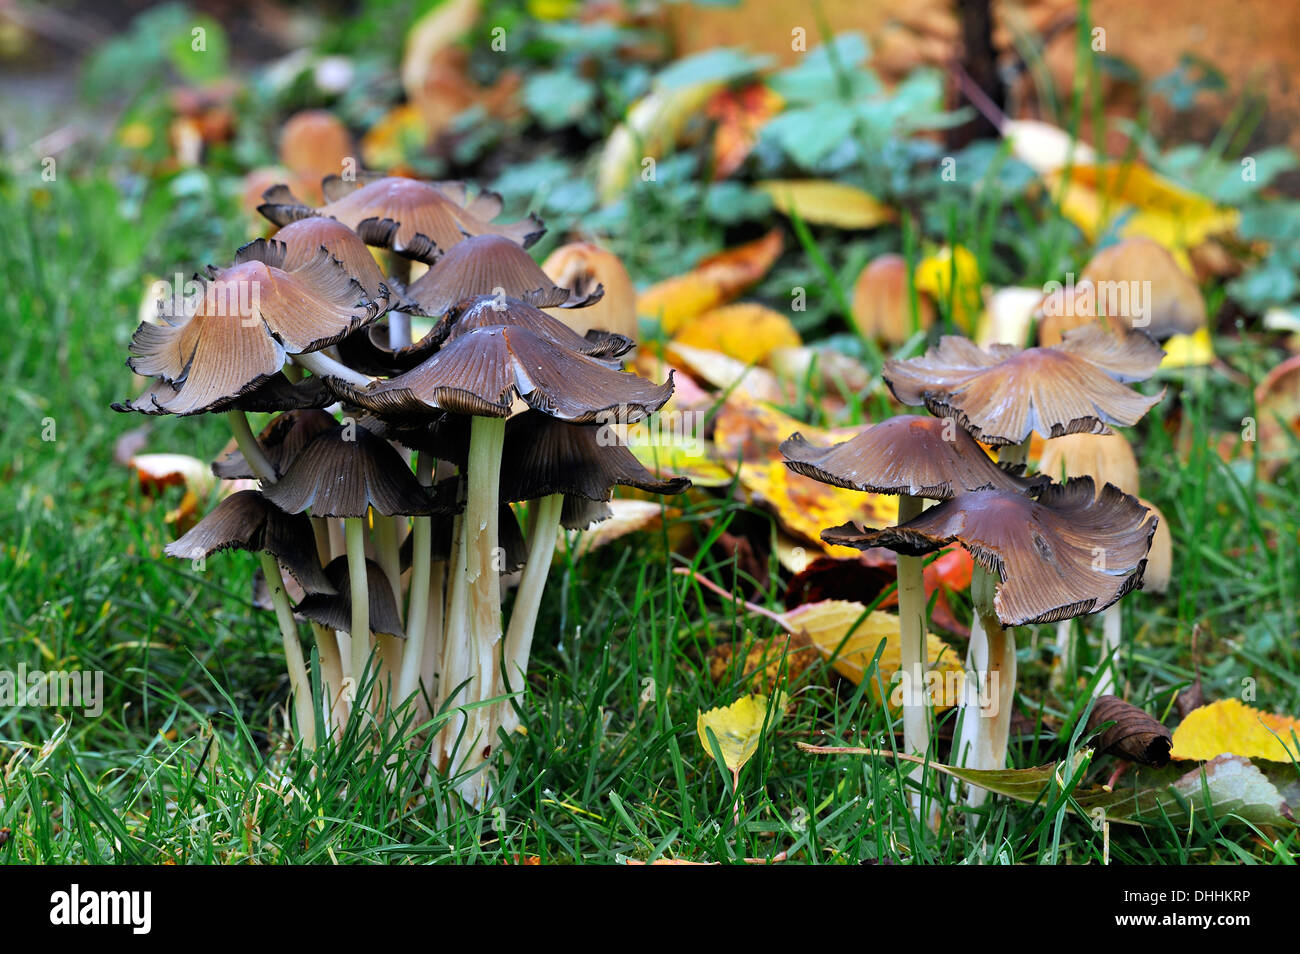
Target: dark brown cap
248	521
909	454
282	441
334	611
1068	553
276	393
1002	395
344	471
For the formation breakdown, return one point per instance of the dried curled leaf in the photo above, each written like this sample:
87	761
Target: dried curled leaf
1135	736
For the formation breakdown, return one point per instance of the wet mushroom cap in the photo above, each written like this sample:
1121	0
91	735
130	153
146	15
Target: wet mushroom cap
1106	458
235	333
334	611
282	440
273	394
545	456
415	219
344	471
908	454
1003	395
246	520
481	371
1070	552
489	265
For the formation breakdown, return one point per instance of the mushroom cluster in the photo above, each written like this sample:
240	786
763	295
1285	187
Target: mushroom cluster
1043	551
387	477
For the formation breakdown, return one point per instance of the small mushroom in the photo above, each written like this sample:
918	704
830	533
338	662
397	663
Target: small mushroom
1138	282
582	267
882	308
304	238
334	610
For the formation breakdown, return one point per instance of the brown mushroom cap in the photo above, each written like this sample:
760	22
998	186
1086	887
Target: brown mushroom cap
881	307
344	471
276	393
234	333
482	370
1002	395
304	238
545	456
334	611
282	441
490	265
1128	270
1106	458
582	267
1068	553
246	520
416	219
314	143
909	454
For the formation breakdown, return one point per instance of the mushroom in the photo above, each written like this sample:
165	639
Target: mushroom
1070	551
246	520
915	458
882	306
303	238
345	472
1138	281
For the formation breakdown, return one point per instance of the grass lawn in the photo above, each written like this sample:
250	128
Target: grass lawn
188	762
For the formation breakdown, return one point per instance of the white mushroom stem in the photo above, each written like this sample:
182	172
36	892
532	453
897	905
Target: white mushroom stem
322	365
474	619
1112	626
433	631
912	649
399	330
331	677
990	685
387	555
354	529
528	598
417	616
299	684
250	448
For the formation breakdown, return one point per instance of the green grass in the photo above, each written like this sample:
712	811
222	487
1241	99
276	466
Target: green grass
189	761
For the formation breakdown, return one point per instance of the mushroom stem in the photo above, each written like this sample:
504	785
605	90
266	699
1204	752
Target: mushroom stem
387	555
399	322
250	448
322	365
986	715
912	654
528	599
1112	626
417	614
433	630
355	534
1064	651
331	677
299	684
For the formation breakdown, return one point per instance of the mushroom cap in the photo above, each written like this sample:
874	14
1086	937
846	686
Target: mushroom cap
545	456
908	454
276	393
413	218
344	471
1160	561
314	143
1106	458
582	267
1139	263
489	265
334	610
1002	395
246	520
482	370
1070	552
282	441
305	237
881	306
234	333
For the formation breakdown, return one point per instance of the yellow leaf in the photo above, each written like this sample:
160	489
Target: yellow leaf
806	507
1188	351
828	622
653	126
399	134
670	458
737	727
1230	726
1095	196
748	332
715	280
952	274
823	202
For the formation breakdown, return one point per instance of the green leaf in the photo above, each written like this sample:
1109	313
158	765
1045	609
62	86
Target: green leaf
809	134
819	77
712	66
558	98
200	51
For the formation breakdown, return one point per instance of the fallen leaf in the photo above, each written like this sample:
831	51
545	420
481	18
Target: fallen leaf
654	125
740	115
805	507
824	202
1188	351
715	280
628	516
727	374
738	728
1229	726
1135	736
748	332
951	276
767	665
1045	148
838	628
400	134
